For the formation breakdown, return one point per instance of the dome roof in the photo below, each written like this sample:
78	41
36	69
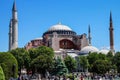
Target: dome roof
59	26
88	49
104	51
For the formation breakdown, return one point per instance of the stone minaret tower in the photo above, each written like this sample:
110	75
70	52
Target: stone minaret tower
13	29
89	35
111	34
10	35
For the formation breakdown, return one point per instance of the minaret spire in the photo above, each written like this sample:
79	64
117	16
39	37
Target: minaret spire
89	35
111	32
14	6
13	31
110	16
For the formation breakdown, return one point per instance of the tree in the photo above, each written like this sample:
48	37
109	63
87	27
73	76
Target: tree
100	66
33	53
9	64
92	57
83	61
2	76
109	55
59	67
22	56
70	63
41	59
110	58
41	64
42	50
101	56
117	60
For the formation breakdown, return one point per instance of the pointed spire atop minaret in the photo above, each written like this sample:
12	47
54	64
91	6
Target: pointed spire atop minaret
14	6
89	35
111	32
110	16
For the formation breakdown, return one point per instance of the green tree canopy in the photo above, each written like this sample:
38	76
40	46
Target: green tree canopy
42	50
22	57
92	57
110	54
41	59
42	63
117	60
100	66
110	58
9	64
101	56
33	53
70	63
83	61
59	67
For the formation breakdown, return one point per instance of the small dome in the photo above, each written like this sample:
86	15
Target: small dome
59	26
104	51
88	49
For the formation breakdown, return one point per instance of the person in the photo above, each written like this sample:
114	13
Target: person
22	78
64	78
110	77
81	77
56	78
19	78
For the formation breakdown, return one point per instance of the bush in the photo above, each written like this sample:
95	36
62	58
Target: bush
9	65
70	76
2	76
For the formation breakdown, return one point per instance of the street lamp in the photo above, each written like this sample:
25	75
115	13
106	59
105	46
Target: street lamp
13	69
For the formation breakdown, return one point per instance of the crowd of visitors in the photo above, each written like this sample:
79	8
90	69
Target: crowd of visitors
75	76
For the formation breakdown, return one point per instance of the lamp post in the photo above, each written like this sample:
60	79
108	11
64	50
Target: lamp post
13	69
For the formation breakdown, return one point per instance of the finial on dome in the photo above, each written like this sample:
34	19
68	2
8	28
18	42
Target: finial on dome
59	23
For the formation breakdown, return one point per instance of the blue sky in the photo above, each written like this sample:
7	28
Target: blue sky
36	16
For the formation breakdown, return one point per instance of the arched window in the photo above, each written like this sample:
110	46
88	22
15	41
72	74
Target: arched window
66	44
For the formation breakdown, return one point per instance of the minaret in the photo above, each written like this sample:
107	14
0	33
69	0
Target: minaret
111	34
13	33
10	35
89	35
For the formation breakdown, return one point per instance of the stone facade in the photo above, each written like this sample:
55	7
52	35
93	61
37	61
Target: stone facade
34	43
60	37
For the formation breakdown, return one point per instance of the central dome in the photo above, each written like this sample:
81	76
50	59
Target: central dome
59	26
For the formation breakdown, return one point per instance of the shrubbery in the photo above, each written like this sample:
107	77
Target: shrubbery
9	65
2	76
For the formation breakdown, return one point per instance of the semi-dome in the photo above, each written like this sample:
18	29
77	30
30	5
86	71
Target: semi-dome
59	26
104	51
88	49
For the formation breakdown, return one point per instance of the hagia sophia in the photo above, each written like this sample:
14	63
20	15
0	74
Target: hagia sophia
61	38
